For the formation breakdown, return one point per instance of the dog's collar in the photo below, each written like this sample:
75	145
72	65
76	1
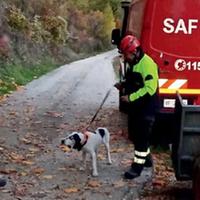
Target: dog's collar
79	144
86	136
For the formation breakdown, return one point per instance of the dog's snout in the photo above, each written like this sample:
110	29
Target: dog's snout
62	141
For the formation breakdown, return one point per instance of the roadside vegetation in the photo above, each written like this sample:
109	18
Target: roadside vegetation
38	36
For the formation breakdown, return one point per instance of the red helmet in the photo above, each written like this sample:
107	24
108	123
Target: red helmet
128	44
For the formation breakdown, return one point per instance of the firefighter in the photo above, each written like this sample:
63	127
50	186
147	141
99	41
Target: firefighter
141	93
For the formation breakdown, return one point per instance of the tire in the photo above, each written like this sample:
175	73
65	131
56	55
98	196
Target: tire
196	178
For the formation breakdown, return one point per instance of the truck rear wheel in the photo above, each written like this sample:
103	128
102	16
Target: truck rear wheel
196	179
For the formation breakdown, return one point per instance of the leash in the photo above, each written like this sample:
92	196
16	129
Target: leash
102	103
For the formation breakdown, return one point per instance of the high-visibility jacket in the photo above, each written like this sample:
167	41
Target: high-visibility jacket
142	86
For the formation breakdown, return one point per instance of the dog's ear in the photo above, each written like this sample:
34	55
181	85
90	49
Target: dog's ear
77	140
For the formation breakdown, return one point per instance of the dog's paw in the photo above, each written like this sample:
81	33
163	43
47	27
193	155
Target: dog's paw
95	174
110	162
81	168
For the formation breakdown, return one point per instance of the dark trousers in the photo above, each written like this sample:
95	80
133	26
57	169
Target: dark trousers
140	129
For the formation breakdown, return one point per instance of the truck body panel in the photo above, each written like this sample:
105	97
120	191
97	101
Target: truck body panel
169	31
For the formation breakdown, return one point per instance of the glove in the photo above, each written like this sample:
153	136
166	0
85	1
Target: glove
118	85
125	98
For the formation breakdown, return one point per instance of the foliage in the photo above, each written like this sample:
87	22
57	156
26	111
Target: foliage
101	6
14	74
108	22
38	34
80	4
115	5
46	28
56	27
62	30
50	22
16	19
95	26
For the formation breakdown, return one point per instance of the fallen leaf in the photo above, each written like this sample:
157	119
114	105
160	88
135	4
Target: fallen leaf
12	113
94	184
28	162
8	171
16	157
37	122
118	184
23	173
26	141
101	157
127	162
62	169
118	150
1	148
71	190
65	148
34	150
48	177
5	191
38	171
20	190
55	114
160	183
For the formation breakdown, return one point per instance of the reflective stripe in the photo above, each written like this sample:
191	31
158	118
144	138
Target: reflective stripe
142	154
148	151
171	86
162	82
139	160
173	83
181	91
177	84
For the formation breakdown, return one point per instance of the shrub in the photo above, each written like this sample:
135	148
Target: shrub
16	19
57	27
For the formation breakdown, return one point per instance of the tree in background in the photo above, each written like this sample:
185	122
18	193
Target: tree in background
53	22
51	33
108	23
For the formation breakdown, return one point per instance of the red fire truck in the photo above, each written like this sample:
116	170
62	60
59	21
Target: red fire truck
169	31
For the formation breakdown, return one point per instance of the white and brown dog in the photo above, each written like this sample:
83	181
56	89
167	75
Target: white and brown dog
88	142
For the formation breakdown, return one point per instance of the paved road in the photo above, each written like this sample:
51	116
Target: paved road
33	119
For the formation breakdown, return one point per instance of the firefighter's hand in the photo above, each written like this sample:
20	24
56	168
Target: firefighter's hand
124	98
118	85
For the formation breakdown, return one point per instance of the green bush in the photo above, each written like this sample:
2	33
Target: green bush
57	27
14	74
16	19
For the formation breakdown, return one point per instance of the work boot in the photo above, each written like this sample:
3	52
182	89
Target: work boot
134	171
149	161
2	182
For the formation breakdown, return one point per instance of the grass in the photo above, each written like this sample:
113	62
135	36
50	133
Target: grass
16	74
